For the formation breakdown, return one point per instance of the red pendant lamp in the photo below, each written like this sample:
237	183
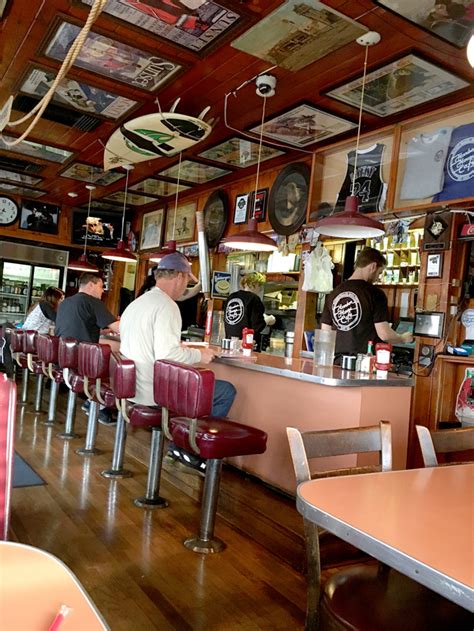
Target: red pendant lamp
351	224
251	239
122	252
82	264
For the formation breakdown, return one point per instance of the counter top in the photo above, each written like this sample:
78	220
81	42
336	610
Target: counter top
303	370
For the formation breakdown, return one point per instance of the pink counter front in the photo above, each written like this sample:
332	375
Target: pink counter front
274	393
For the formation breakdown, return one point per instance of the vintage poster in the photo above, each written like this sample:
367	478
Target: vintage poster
36	150
92	174
180	222
238	152
195	172
160	188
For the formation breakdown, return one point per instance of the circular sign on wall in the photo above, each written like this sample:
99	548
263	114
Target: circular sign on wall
216	212
289	198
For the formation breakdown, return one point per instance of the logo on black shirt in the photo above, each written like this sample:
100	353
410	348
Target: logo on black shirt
234	311
346	311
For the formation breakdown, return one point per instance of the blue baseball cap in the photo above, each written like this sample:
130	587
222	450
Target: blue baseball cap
178	262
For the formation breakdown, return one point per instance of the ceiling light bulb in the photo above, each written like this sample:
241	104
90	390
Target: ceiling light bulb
72	194
470	51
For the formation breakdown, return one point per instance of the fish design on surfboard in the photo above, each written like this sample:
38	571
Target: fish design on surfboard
159	135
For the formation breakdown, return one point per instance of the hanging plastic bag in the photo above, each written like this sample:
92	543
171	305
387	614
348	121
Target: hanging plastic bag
465	400
318	271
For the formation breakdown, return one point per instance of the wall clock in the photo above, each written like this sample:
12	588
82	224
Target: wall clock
289	198
216	211
8	211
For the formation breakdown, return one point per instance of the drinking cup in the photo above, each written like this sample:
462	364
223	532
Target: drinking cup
324	347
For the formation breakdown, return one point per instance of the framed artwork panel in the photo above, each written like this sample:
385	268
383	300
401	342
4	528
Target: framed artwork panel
39	217
289	199
241	207
111	58
19	178
195	172
239	152
258	204
92	174
180	222
132	198
397	86
103	228
36	150
17	189
303	125
77	95
152	229
158	188
192	25
216	211
434	265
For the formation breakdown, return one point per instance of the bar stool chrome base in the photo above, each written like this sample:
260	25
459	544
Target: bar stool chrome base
145	502
117	470
88	452
204	546
89	448
67	435
116	473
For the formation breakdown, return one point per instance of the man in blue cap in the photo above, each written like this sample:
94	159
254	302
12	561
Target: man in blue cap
150	329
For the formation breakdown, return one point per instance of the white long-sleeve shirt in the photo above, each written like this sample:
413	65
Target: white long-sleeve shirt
150	329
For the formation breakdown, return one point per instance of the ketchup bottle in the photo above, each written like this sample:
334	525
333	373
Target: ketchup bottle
247	340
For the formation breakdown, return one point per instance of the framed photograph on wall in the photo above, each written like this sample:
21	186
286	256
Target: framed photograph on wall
434	265
39	217
103	228
180	222
241	206
258	205
152	229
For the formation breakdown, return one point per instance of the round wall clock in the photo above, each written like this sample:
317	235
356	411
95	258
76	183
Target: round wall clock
8	211
289	198
216	212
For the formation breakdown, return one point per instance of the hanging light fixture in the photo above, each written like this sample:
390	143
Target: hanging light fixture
470	51
252	239
350	223
82	264
122	252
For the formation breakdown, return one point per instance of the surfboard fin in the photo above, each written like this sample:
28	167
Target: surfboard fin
204	112
175	104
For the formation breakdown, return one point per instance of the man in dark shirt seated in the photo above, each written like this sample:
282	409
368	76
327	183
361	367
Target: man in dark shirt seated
83	315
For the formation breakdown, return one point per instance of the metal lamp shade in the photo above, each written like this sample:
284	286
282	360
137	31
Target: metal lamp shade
250	239
350	224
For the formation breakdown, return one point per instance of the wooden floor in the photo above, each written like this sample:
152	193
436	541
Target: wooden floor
132	561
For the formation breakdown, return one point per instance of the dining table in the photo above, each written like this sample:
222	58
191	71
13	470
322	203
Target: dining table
38	592
417	521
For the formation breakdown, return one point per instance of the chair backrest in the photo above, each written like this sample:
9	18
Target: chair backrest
185	390
16	340
67	352
93	360
305	446
7	433
47	348
443	441
122	375
29	342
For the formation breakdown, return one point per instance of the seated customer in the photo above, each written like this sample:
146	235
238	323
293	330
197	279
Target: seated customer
150	329
42	316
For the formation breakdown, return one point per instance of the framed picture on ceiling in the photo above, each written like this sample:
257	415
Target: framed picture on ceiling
241	207
152	229
399	85
239	152
39	217
451	21
303	125
160	188
36	150
16	189
91	174
111	58
192	24
258	204
76	94
180	222
289	198
19	178
194	172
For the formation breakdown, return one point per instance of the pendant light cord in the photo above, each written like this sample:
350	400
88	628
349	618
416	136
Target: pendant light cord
359	125
177	192
87	220
125	203
259	154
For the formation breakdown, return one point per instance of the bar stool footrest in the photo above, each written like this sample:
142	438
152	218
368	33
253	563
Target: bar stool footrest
116	473
48	422
204	546
88	452
67	435
144	502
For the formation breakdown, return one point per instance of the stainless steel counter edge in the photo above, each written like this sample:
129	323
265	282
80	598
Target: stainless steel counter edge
334	376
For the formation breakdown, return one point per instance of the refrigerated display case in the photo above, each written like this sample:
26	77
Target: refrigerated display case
25	273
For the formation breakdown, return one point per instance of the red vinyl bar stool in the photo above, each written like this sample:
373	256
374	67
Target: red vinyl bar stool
122	376
93	366
47	347
16	347
34	365
188	391
67	360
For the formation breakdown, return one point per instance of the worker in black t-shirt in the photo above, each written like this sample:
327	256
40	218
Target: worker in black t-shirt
359	311
244	308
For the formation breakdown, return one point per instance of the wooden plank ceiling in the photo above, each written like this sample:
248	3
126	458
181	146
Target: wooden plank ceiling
27	27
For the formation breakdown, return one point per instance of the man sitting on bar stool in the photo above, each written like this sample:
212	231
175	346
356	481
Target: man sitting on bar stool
150	329
82	317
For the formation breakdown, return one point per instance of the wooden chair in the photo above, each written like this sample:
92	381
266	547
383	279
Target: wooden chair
369	596
443	441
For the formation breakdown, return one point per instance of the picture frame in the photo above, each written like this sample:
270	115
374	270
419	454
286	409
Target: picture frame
192	29
18	189
240	208
180	222
303	125
19	178
398	85
239	152
220	285
258	204
157	188
134	199
104	228
288	200
194	172
91	174
434	20
36	150
111	58
76	94
434	265
216	212
39	217
152	229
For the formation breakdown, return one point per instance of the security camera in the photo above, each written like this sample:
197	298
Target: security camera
266	84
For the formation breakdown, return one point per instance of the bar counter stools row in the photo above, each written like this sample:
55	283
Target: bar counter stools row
183	396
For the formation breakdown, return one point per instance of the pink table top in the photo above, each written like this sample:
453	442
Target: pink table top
33	586
418	521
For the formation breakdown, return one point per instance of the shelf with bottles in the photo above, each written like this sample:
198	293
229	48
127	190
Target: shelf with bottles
13	288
